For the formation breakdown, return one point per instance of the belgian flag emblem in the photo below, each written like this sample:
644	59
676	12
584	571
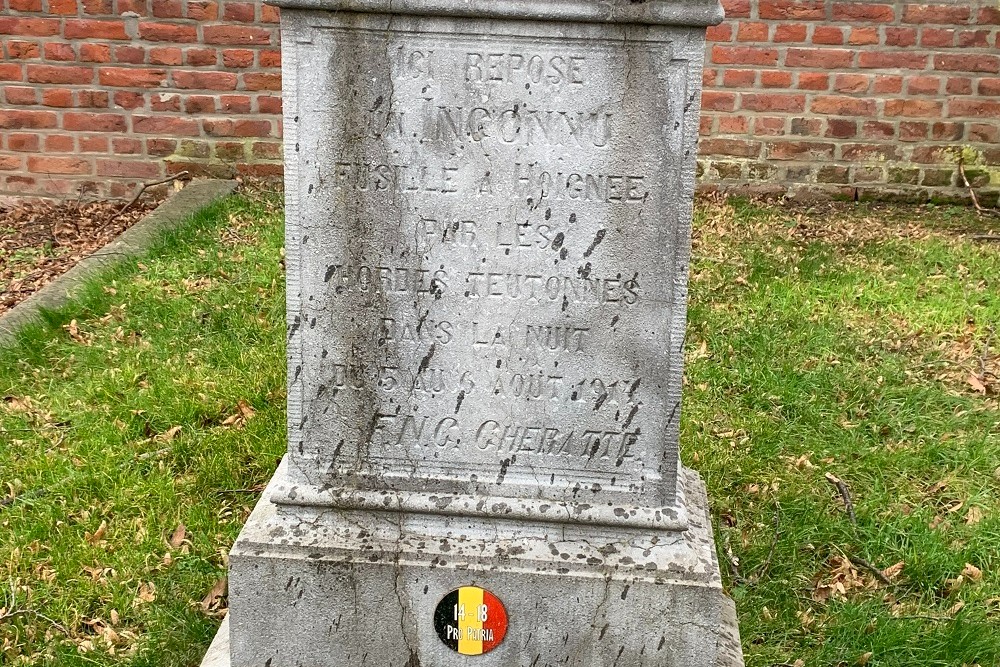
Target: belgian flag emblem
471	621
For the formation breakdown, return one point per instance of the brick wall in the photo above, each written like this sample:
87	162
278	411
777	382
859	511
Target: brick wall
98	95
853	98
842	98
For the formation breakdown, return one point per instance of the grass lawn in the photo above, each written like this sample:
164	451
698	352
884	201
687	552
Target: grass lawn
853	344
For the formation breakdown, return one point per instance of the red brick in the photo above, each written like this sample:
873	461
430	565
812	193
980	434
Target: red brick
165	102
130	169
235	104
974	39
97	7
705	126
790	32
167	32
126	145
57	97
269	58
88	29
822	58
743	55
930	154
712	100
851	83
863	36
708	77
892	60
269	14
230	151
201	57
25	143
242	12
732	147
18	50
989	16
262	81
940	14
981	132
132	77
840	128
237	58
869	152
900	36
886	83
752	32
806	10
94	144
165	55
261	170
739	78
814	81
165	126
199	104
272	104
19	95
774	102
974	108
937	37
267	150
25	5
923	85
733	125
92	99
25	27
236	34
130	55
878	129
67	7
969	62
842	106
824	34
11	72
989	87
862	11
237	128
94	122
58	165
205	80
168	9
161	147
95	53
202	10
60	74
129	100
139	7
913	108
10	163
776	79
912	131
60	51
959	85
800	150
720	33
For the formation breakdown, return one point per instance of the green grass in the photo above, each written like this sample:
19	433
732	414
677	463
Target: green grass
833	341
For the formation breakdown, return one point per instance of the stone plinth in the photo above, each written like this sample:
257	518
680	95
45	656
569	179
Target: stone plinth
488	234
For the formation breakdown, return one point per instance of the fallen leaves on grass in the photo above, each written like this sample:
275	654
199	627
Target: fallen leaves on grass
213	604
145	594
843	579
97	537
178	536
243	414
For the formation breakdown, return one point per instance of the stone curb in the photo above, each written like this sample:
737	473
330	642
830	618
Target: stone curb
132	243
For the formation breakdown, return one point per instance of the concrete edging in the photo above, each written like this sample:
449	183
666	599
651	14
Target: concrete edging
130	244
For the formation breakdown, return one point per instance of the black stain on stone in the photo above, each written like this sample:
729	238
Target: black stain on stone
425	362
458	403
596	242
558	241
503	469
330	270
625	592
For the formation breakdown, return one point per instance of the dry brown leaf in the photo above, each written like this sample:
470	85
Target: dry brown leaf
18	403
973	516
169	435
955	608
212	601
976	383
178	536
893	571
972	572
98	534
864	658
147	593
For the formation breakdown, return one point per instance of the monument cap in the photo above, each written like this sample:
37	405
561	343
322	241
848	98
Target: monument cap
655	12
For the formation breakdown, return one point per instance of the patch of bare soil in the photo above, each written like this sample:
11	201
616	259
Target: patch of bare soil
40	241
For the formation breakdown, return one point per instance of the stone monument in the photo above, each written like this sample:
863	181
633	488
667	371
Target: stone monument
488	233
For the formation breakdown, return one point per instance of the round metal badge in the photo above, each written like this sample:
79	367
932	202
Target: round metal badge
471	621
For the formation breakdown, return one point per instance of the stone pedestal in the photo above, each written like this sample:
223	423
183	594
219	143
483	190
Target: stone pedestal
488	232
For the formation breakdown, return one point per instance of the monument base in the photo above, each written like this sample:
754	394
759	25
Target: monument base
326	587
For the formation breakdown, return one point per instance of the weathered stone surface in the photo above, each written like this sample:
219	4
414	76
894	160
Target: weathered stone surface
488	234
